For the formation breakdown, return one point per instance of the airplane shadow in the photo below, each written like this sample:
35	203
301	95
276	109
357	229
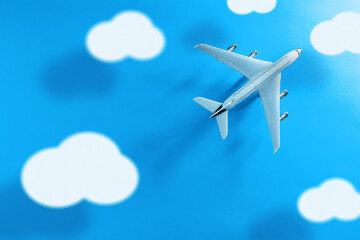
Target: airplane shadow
235	87
236	117
192	130
175	142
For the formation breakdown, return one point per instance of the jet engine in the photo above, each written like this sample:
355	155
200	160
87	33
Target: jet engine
283	116
284	93
253	54
232	48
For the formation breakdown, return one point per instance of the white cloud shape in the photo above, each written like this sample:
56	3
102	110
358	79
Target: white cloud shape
86	166
338	35
335	198
248	6
128	34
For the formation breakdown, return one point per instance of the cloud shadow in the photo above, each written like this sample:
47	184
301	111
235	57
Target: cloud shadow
21	217
78	74
283	224
204	32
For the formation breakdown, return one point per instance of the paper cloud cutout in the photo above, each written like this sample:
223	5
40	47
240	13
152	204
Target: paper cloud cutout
248	6
86	166
129	34
335	198
338	35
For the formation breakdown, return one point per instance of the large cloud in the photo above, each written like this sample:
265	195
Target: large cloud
129	34
335	198
85	166
248	6
338	35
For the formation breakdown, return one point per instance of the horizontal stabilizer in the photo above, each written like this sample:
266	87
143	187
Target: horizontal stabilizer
210	105
222	121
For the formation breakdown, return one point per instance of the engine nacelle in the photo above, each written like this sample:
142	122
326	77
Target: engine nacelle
284	93
253	54
283	116
232	48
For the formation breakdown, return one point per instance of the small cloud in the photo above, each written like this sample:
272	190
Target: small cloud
248	6
128	34
335	198
338	35
86	166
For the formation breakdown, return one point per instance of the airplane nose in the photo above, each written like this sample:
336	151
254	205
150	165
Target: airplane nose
299	50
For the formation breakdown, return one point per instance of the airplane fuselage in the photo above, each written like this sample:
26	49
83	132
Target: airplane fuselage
258	81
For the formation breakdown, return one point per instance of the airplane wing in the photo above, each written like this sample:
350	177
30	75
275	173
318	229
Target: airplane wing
247	66
270	96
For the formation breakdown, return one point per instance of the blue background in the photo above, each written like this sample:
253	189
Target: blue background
192	185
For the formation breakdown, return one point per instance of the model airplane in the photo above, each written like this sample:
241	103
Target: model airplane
263	77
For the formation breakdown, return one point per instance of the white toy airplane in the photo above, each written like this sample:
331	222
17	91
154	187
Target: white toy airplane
263	77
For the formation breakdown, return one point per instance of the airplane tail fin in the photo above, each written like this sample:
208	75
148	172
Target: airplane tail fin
212	106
